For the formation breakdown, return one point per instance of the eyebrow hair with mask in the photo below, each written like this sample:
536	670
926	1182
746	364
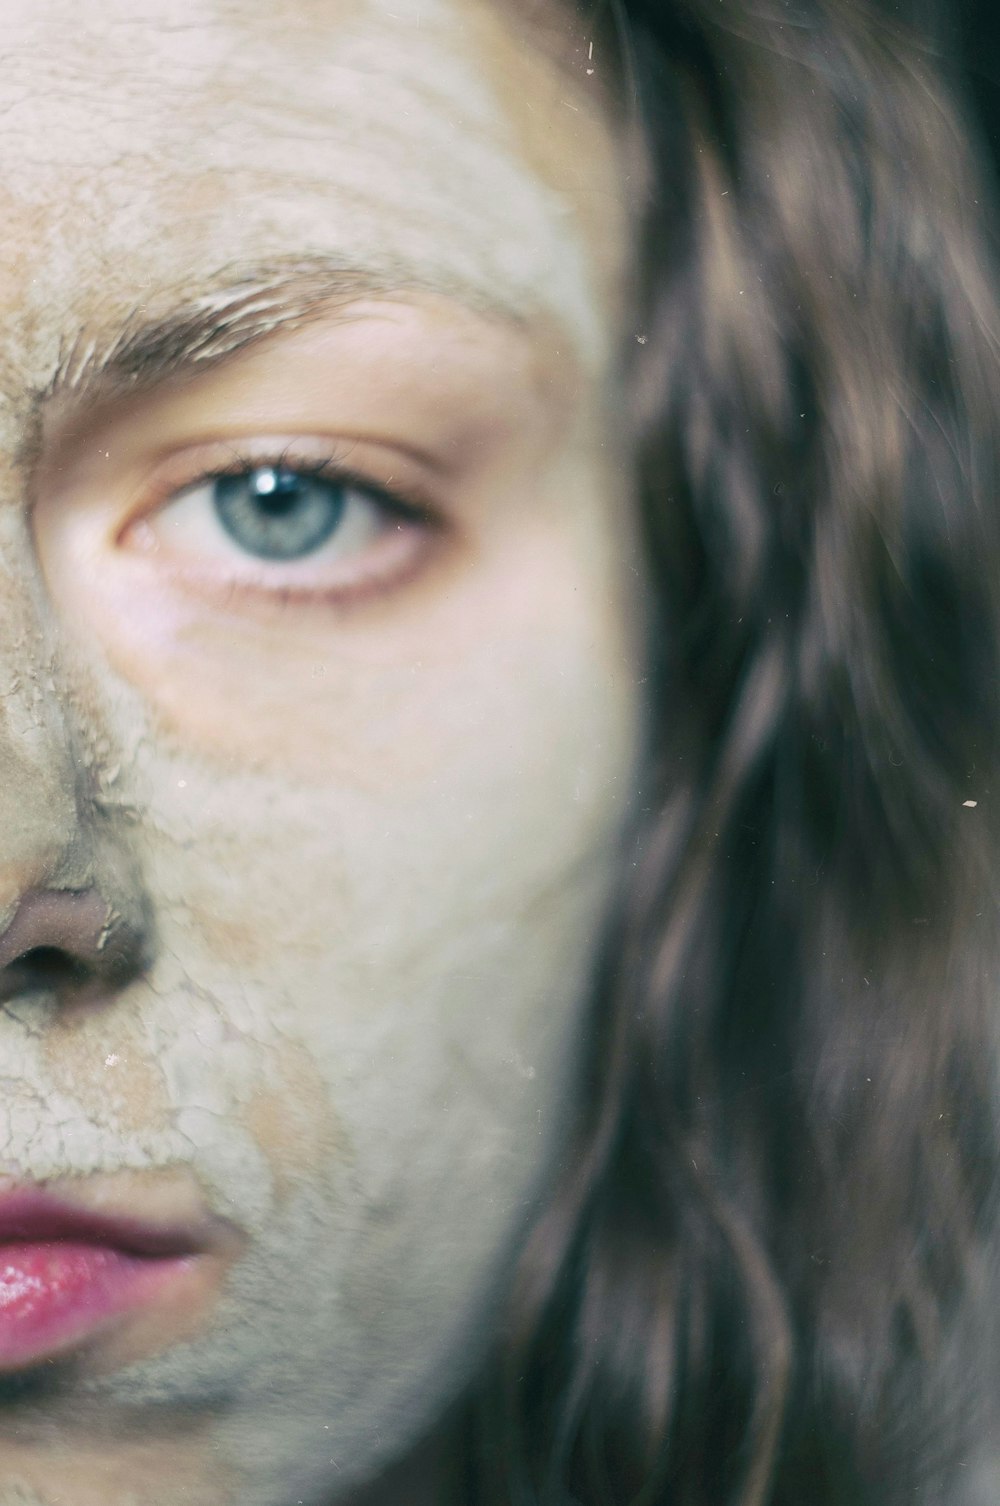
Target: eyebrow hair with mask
236	308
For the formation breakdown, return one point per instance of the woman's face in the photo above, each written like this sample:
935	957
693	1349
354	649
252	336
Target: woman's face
319	656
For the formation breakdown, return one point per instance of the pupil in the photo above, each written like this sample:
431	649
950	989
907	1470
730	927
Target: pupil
277	492
277	513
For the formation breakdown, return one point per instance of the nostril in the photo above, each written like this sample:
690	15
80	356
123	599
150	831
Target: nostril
46	968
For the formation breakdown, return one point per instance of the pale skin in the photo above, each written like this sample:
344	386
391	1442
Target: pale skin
345	823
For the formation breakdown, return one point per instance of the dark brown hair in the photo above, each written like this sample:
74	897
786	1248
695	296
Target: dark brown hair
766	1276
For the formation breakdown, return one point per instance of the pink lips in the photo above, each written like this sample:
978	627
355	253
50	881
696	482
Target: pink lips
66	1273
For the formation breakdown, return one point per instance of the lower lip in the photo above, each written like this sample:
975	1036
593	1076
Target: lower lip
55	1294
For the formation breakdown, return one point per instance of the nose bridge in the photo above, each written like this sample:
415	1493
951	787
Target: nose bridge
39	827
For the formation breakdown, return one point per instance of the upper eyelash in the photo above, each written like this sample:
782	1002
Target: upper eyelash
328	468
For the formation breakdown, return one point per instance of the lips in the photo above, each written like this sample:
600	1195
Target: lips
69	1274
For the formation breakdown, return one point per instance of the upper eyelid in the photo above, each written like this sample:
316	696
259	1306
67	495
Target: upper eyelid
149	483
244	446
173	464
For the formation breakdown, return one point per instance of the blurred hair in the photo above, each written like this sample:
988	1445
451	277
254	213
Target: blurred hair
767	1273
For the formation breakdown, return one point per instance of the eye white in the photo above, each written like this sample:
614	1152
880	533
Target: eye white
233	518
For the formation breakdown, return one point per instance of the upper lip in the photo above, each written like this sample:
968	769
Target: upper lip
34	1215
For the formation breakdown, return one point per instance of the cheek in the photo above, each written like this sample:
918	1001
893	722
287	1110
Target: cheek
402	947
421	917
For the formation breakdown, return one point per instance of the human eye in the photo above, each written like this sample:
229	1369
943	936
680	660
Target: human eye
296	524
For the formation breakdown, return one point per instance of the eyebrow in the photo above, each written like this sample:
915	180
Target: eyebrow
236	307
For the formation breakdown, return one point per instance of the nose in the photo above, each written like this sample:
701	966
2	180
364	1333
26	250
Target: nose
70	915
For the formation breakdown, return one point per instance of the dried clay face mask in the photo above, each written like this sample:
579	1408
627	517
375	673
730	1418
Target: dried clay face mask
318	647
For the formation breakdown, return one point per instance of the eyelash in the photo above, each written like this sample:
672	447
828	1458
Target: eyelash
326	467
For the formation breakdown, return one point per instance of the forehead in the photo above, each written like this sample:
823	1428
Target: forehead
148	153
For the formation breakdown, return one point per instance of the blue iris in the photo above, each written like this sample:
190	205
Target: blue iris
277	513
